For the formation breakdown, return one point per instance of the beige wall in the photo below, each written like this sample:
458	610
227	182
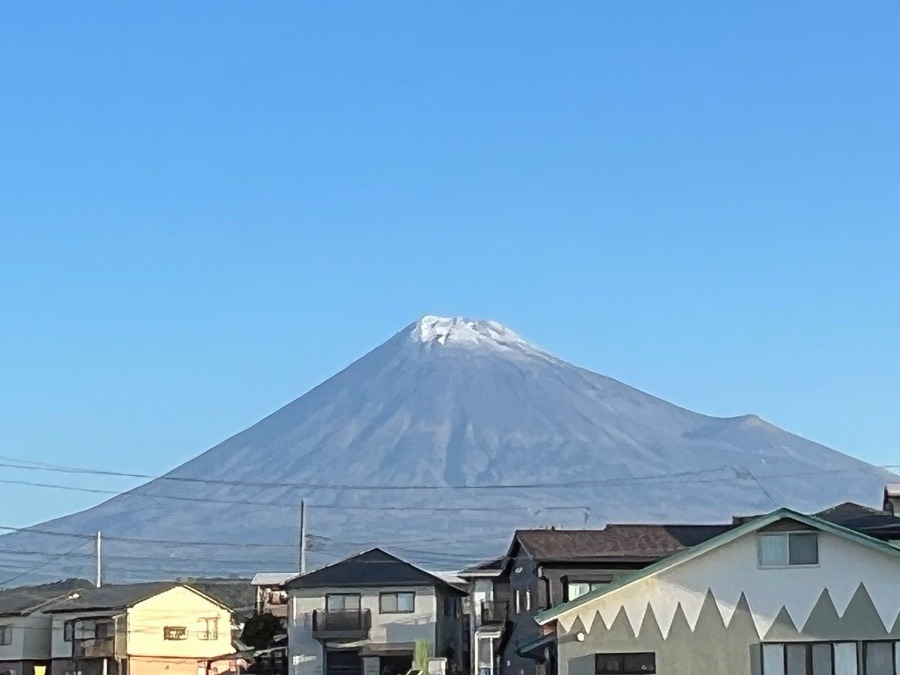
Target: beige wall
139	630
30	638
182	607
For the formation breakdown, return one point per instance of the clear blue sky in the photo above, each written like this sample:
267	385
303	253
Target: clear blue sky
208	208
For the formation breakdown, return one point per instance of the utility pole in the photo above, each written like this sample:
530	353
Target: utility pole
99	559
302	536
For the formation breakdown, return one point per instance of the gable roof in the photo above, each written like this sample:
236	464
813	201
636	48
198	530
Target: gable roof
118	596
374	567
850	511
726	537
27	599
640	542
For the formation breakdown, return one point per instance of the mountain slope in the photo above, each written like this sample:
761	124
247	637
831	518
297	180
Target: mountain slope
436	418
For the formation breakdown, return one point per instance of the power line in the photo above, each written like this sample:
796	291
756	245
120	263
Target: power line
27	465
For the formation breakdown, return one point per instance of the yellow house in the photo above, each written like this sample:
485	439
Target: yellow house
140	629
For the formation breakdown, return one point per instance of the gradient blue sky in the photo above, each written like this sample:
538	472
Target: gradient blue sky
208	208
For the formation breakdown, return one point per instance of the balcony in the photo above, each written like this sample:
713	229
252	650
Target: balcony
494	612
93	648
341	625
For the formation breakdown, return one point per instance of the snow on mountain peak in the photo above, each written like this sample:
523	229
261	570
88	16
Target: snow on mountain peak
466	332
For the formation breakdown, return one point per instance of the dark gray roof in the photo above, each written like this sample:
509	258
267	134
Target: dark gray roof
371	568
644	542
26	599
238	595
115	596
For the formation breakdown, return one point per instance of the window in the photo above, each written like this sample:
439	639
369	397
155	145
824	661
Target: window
880	658
277	598
518	602
575	589
397	603
607	664
208	629
813	658
342	602
528	601
451	607
485	658
5	635
175	633
785	549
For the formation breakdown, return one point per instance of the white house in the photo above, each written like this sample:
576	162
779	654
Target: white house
365	615
782	594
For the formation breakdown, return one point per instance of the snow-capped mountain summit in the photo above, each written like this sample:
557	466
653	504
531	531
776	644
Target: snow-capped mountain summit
440	442
467	333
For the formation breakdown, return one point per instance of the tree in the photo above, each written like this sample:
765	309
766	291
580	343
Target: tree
261	629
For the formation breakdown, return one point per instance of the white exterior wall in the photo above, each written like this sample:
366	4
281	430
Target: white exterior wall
30	638
732	570
59	648
482	591
386	628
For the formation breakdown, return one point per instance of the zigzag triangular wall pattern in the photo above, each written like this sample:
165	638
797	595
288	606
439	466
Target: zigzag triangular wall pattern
667	619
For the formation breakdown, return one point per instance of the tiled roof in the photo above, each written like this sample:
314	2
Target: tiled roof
113	596
849	511
371	568
26	599
615	541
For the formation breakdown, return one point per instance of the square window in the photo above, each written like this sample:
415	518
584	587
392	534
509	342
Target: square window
803	548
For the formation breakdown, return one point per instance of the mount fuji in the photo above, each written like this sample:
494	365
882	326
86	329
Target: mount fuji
436	445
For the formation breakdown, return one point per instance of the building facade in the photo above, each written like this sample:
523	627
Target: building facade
784	594
140	629
365	616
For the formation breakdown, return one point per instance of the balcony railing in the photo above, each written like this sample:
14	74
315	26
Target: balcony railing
494	612
93	648
353	624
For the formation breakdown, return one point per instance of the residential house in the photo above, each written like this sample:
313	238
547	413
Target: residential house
25	630
271	594
547	567
485	614
782	594
365	615
140	629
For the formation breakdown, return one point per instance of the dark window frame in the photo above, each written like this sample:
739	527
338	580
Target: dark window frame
175	633
623	657
6	631
397	594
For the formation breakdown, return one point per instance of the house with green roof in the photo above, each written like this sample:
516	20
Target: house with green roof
780	594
